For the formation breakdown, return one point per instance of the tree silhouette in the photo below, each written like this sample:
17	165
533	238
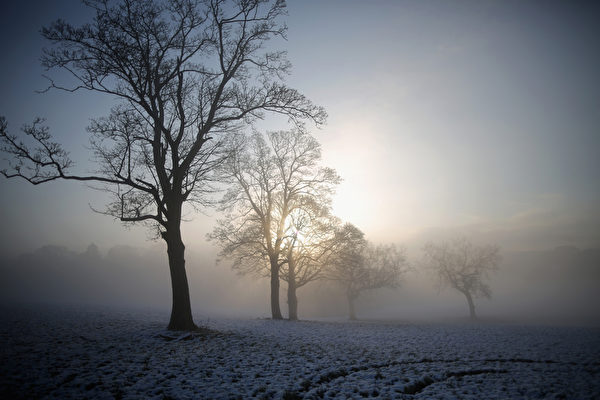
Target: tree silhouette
269	181
358	265
188	73
464	267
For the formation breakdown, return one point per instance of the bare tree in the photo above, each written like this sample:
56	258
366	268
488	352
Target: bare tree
310	238
269	180
358	265
463	266
188	73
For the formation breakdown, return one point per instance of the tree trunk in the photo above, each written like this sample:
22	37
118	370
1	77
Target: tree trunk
471	306
351	310
181	311
275	309
292	299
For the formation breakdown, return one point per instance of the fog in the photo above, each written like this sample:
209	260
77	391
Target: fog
413	122
555	286
440	114
481	117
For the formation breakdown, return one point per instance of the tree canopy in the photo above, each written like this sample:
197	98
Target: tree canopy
276	188
463	266
357	265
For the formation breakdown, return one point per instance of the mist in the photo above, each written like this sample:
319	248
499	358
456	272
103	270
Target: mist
556	286
334	153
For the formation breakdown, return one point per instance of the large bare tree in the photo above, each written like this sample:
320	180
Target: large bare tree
188	73
269	180
358	266
463	266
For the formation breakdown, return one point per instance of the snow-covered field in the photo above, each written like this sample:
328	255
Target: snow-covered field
68	353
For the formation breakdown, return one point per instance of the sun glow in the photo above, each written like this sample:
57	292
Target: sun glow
294	233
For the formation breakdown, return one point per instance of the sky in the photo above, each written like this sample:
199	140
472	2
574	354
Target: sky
445	117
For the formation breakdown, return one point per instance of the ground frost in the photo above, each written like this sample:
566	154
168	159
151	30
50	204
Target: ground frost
68	353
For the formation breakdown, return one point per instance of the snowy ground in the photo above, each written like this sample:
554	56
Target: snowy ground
66	353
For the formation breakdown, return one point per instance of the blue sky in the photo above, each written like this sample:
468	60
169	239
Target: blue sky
444	116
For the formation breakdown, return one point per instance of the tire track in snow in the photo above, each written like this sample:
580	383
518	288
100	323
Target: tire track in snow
419	385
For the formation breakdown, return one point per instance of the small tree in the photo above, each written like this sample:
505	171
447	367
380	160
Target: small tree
269	180
188	73
464	267
358	265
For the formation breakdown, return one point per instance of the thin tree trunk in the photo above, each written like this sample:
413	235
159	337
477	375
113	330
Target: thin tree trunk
292	299
471	306
181	312
351	310
275	309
